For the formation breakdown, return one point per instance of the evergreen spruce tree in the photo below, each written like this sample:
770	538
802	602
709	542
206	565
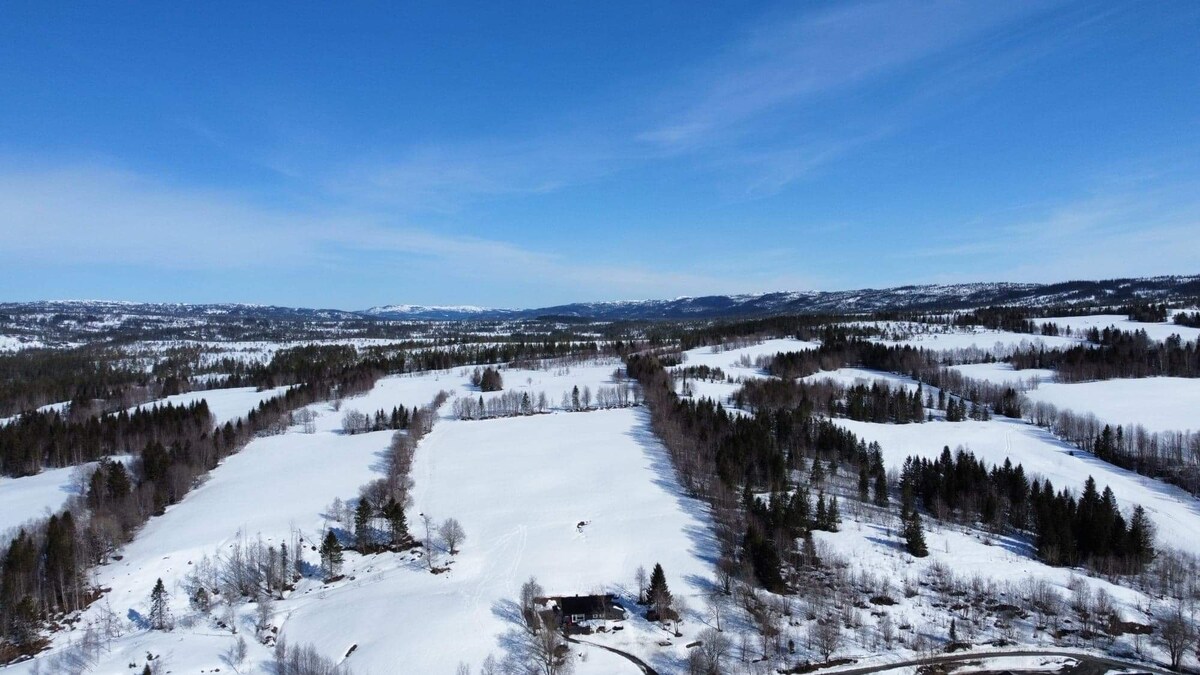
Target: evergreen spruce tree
660	595
914	536
881	489
362	526
160	612
331	555
833	515
397	523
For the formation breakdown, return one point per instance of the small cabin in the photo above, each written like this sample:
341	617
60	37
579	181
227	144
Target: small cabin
573	609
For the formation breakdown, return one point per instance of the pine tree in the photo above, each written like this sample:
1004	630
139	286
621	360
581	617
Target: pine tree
660	595
914	536
881	489
331	555
397	523
160	612
362	526
833	515
1140	538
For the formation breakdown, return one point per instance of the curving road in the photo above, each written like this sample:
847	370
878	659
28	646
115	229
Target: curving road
642	665
1106	661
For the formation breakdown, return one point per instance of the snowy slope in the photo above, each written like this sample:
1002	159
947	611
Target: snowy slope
1157	403
226	405
1155	331
1003	373
1176	514
519	486
23	499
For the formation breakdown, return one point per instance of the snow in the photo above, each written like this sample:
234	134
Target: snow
1003	373
519	486
33	497
994	341
1175	513
849	377
23	499
15	343
1156	403
226	405
1155	331
727	359
51	407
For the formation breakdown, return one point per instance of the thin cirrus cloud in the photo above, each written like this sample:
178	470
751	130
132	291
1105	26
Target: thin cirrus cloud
1119	235
720	116
93	214
790	61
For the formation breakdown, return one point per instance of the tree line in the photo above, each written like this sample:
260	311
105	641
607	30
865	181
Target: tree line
45	566
1115	354
1089	530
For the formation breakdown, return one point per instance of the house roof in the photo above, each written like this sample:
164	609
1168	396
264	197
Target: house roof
583	604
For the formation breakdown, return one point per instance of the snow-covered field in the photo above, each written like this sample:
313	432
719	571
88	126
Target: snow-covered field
728	359
849	377
520	487
23	499
1157	403
226	405
995	341
31	497
15	343
1155	331
1175	513
1003	373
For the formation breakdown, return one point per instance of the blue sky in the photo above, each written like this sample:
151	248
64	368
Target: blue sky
527	154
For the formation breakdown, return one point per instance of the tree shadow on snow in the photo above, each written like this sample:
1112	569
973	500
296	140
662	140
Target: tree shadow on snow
700	532
135	617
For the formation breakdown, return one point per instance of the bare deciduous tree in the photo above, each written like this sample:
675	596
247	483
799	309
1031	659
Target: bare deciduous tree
452	534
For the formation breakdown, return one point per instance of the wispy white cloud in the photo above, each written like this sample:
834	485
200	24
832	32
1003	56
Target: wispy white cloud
1115	235
96	215
794	60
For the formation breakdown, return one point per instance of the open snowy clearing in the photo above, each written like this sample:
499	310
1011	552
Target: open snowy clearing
727	359
1003	373
520	487
23	499
34	497
1155	331
849	377
15	343
993	341
1175	513
1156	403
226	405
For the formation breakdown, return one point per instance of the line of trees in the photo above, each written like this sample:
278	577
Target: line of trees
729	459
47	439
1088	530
45	566
1116	354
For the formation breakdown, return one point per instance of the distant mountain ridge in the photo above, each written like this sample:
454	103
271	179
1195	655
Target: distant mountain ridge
930	297
923	297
